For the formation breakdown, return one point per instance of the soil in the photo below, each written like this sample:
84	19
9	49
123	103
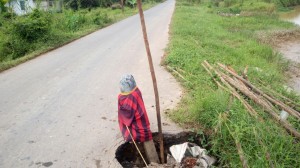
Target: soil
291	51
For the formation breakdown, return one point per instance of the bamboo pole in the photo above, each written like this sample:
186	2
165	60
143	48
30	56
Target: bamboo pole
136	146
265	106
287	101
161	142
276	102
231	90
177	73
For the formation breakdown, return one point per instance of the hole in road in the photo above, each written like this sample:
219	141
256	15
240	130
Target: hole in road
128	156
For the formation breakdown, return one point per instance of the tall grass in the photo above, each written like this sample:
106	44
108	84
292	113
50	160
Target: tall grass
198	33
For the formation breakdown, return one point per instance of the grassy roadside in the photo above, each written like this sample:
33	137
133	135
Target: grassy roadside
200	32
17	46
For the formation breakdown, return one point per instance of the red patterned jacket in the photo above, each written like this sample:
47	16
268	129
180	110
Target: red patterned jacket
132	112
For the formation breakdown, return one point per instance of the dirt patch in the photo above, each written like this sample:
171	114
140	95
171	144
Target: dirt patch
286	42
291	51
128	156
280	37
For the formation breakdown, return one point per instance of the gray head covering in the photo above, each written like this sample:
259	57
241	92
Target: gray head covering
127	83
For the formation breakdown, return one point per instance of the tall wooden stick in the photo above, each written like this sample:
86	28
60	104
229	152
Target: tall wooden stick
161	142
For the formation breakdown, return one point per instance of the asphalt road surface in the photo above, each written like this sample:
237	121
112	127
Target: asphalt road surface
60	109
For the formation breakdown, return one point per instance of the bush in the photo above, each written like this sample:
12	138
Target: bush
287	3
229	2
131	3
8	15
74	20
101	19
16	47
78	4
2	56
13	47
235	10
31	28
2	6
23	33
215	3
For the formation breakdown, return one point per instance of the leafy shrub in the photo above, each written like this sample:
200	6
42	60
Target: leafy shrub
89	3
97	20
101	19
31	28
75	20
17	47
77	4
106	3
215	3
8	15
2	56
13	47
131	3
2	5
235	10
287	3
156	0
23	33
228	3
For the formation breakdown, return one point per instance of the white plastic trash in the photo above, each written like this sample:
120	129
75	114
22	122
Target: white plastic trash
190	149
284	115
178	151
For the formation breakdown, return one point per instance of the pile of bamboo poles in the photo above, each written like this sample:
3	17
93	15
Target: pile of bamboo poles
227	78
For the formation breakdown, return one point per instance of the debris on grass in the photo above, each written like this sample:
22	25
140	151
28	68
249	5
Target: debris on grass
240	87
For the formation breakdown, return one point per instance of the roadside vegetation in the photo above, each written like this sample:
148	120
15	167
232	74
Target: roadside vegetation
24	37
231	32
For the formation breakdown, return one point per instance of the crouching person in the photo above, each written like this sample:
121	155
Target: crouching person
133	117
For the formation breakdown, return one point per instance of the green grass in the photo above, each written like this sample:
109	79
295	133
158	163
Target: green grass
64	28
198	33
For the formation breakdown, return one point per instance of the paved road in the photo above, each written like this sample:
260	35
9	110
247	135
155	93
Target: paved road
60	109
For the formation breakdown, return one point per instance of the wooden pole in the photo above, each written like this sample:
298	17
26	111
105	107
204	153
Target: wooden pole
161	142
